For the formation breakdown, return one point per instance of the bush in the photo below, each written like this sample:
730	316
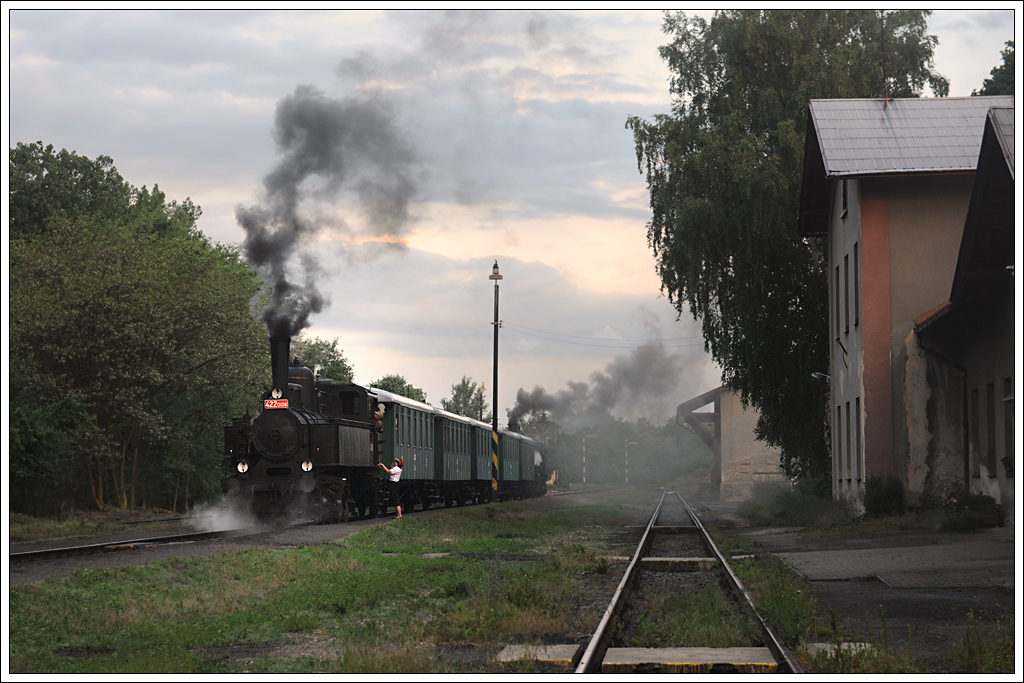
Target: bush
963	520
957	514
883	497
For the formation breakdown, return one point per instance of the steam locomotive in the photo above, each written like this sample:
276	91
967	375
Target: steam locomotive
313	450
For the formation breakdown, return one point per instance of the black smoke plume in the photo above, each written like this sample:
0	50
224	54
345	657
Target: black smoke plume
633	385
330	150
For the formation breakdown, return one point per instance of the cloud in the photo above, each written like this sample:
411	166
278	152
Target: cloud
428	317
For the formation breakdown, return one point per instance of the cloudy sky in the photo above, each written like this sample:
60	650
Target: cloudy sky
465	138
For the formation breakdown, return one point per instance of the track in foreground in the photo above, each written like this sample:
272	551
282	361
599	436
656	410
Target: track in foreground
129	544
672	530
771	657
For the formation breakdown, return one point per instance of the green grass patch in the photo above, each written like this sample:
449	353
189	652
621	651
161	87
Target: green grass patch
783	599
775	506
692	616
986	650
374	602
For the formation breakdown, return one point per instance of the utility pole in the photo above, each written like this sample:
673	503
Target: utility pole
585	458
628	444
496	276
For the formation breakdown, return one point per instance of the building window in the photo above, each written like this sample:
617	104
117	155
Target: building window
846	294
990	428
837	303
839	441
856	284
1008	423
856	457
845	201
849	466
974	445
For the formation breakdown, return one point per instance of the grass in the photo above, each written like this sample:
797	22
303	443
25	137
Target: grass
986	650
372	603
774	506
845	656
690	616
24	529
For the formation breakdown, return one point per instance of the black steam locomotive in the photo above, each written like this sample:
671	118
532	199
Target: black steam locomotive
313	451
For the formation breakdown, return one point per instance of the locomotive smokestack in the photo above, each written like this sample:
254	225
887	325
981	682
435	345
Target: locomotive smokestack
279	350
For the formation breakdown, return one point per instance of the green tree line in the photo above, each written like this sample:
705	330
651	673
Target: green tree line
130	340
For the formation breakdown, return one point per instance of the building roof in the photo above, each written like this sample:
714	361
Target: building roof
871	137
986	256
868	137
1001	120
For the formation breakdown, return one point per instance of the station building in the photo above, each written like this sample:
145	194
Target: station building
920	260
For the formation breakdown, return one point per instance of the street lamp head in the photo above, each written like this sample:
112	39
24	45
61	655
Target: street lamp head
495	275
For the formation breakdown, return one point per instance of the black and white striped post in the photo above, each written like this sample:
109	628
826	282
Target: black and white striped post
496	276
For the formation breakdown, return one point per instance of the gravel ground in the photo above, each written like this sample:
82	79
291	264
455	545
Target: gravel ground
896	586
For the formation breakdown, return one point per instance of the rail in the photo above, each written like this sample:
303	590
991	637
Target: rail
773	656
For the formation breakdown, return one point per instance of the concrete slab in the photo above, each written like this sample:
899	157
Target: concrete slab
966	565
567	656
677	564
689	660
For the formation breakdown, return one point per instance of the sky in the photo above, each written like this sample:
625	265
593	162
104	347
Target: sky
469	138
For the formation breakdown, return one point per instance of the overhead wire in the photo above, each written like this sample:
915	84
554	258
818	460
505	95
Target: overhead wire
608	343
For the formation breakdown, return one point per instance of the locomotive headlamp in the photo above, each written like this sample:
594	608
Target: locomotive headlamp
243	467
276	393
307	465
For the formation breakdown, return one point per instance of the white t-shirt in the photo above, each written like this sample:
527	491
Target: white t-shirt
396	473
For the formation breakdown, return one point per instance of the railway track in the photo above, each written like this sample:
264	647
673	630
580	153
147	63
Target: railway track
673	527
121	545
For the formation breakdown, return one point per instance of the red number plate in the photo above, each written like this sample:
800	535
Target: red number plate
272	403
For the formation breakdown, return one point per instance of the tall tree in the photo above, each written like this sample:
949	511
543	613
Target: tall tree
1000	80
723	173
397	384
49	188
467	399
132	330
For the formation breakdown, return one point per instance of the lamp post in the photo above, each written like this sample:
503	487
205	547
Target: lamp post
496	276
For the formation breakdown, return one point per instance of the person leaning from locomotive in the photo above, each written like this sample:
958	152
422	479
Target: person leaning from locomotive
394	474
